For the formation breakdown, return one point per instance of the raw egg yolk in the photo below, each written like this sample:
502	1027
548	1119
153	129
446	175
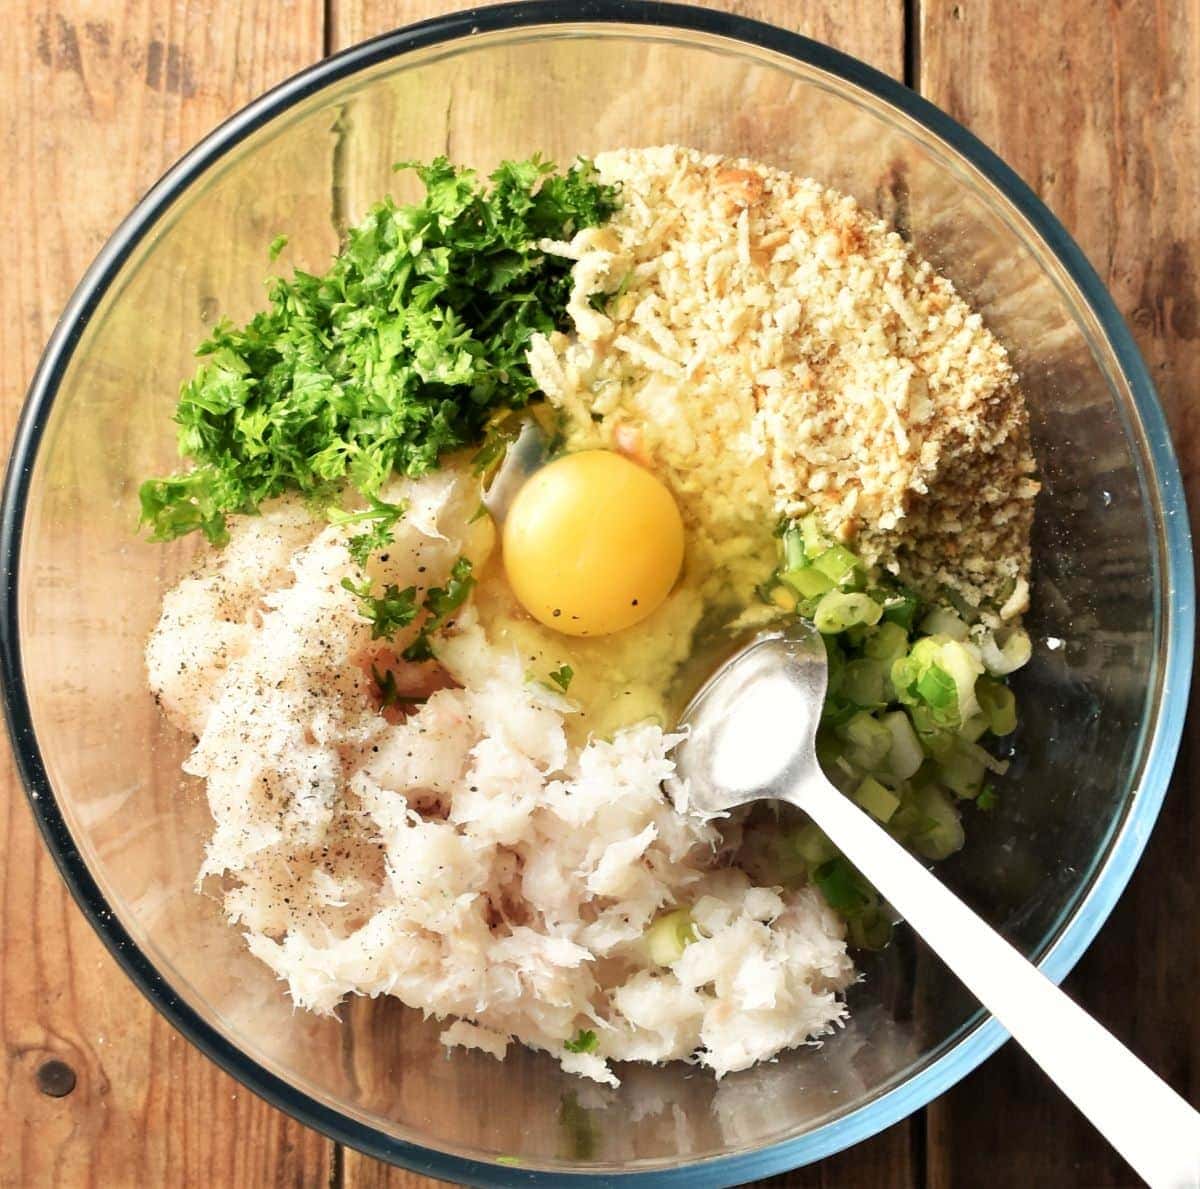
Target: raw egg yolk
593	543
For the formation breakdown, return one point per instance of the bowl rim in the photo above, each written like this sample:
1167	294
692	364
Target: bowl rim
1176	580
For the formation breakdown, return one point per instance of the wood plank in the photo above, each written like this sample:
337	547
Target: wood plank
874	32
102	95
1098	107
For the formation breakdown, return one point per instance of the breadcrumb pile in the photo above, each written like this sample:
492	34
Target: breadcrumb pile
778	351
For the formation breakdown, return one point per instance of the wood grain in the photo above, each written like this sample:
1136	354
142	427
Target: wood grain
102	97
1098	108
869	29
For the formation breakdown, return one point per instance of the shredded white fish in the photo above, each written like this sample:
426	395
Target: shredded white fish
468	860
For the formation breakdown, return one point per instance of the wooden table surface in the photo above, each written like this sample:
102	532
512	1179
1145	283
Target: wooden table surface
1096	104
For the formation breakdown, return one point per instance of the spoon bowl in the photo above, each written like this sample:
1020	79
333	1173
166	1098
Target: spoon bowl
752	725
528	452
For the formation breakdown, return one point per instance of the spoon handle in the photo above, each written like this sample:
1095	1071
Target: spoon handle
1141	1116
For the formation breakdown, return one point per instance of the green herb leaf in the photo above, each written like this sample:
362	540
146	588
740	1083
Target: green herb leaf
389	612
584	1041
937	687
389	693
440	603
277	245
381	517
386	681
562	677
397	354
843	887
902	607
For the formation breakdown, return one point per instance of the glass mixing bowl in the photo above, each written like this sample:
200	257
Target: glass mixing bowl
1113	605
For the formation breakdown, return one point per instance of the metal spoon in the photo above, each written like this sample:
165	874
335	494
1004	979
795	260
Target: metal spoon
751	735
528	452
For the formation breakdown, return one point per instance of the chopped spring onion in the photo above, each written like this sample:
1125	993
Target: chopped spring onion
940	674
869	740
864	681
856	636
843	887
837	712
941	621
962	765
1004	652
901	609
923	724
937	742
839	610
837	563
815	540
937	689
877	799
974	728
905	755
940	831
912	689
870	929
794	555
904	674
836	660
844	776
990	762
669	936
998	705
965	668
887	642
829	748
808	583
961	772
812	845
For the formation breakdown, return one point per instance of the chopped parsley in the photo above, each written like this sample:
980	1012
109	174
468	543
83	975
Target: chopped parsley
987	798
389	612
277	245
395	609
440	603
381	517
584	1041
562	677
397	354
389	693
